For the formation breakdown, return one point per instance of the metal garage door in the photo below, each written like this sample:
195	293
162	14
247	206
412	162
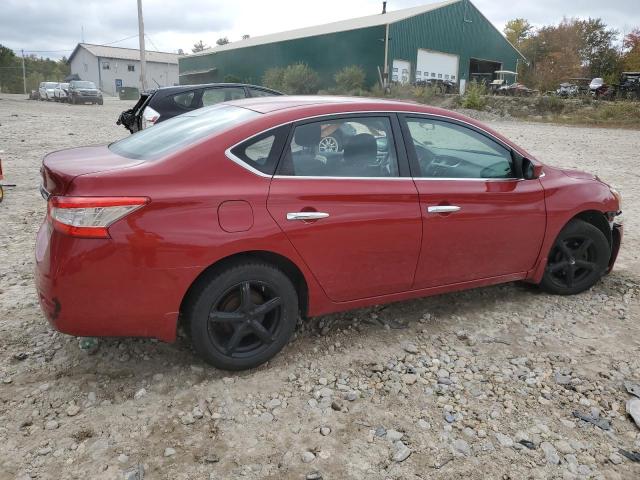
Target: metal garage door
436	65
401	71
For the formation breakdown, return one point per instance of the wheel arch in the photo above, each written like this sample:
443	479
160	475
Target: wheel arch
598	220
280	261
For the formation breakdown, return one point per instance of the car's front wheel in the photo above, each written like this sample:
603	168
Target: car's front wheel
242	316
577	260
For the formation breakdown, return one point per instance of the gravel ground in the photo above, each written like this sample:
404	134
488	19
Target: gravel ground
478	384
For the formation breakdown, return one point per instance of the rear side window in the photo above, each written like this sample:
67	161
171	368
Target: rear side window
256	92
262	152
221	94
181	131
184	99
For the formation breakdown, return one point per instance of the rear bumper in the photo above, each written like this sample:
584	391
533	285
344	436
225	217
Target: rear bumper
103	288
616	240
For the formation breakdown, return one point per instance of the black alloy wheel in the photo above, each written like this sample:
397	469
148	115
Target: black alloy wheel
577	260
243	316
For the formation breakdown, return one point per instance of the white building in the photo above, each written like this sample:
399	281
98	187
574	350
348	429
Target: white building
113	67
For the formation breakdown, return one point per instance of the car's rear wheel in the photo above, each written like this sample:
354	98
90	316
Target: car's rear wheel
577	260
242	316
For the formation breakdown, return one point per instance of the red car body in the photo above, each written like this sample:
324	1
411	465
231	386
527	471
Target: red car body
200	207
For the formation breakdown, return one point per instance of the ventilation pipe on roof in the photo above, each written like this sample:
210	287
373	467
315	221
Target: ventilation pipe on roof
384	7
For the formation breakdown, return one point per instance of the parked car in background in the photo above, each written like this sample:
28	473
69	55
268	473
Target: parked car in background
155	106
567	90
229	220
599	89
60	94
629	85
83	91
47	90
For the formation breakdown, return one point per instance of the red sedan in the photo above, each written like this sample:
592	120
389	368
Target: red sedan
231	221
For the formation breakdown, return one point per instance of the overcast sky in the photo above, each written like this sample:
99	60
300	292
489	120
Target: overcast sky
51	28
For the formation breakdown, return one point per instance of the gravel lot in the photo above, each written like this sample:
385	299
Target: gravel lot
479	384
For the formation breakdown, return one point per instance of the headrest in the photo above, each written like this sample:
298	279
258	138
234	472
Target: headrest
360	146
307	135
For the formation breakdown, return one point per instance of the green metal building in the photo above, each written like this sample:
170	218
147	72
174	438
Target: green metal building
450	40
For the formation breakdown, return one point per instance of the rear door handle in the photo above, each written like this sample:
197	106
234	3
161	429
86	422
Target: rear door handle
443	209
306	215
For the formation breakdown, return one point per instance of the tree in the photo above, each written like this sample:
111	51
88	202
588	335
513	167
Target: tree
222	41
631	57
596	50
244	37
199	46
517	30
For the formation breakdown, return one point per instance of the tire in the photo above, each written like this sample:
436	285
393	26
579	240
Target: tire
578	259
242	335
100	102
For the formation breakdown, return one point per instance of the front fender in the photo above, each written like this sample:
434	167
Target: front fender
566	197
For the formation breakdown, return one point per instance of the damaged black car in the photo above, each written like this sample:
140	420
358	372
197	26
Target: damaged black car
157	105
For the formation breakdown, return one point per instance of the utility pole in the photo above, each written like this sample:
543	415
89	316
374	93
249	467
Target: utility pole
24	74
143	62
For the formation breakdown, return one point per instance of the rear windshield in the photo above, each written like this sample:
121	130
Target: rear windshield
180	131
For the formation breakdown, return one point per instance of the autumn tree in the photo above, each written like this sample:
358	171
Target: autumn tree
517	30
631	57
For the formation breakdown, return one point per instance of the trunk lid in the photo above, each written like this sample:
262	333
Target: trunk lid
61	167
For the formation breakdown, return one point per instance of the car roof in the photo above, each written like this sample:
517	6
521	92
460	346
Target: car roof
339	104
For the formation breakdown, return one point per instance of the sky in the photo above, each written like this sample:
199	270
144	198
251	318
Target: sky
52	29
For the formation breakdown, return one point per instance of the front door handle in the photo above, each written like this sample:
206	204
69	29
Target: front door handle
306	215
443	209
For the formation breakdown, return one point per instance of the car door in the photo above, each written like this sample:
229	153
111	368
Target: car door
352	215
479	220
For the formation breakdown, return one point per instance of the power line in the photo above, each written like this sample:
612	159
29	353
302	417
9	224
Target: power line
71	49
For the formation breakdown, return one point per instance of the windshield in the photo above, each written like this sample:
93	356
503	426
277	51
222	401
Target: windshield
64	85
84	84
180	131
50	85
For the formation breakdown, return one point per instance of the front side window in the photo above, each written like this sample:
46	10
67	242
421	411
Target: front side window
449	150
221	94
347	147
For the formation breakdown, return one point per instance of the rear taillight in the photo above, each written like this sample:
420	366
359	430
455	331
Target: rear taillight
149	117
90	217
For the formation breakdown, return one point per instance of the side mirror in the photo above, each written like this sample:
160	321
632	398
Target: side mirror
531	170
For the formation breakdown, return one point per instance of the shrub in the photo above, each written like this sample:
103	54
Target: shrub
232	79
300	79
273	78
550	104
474	96
350	79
